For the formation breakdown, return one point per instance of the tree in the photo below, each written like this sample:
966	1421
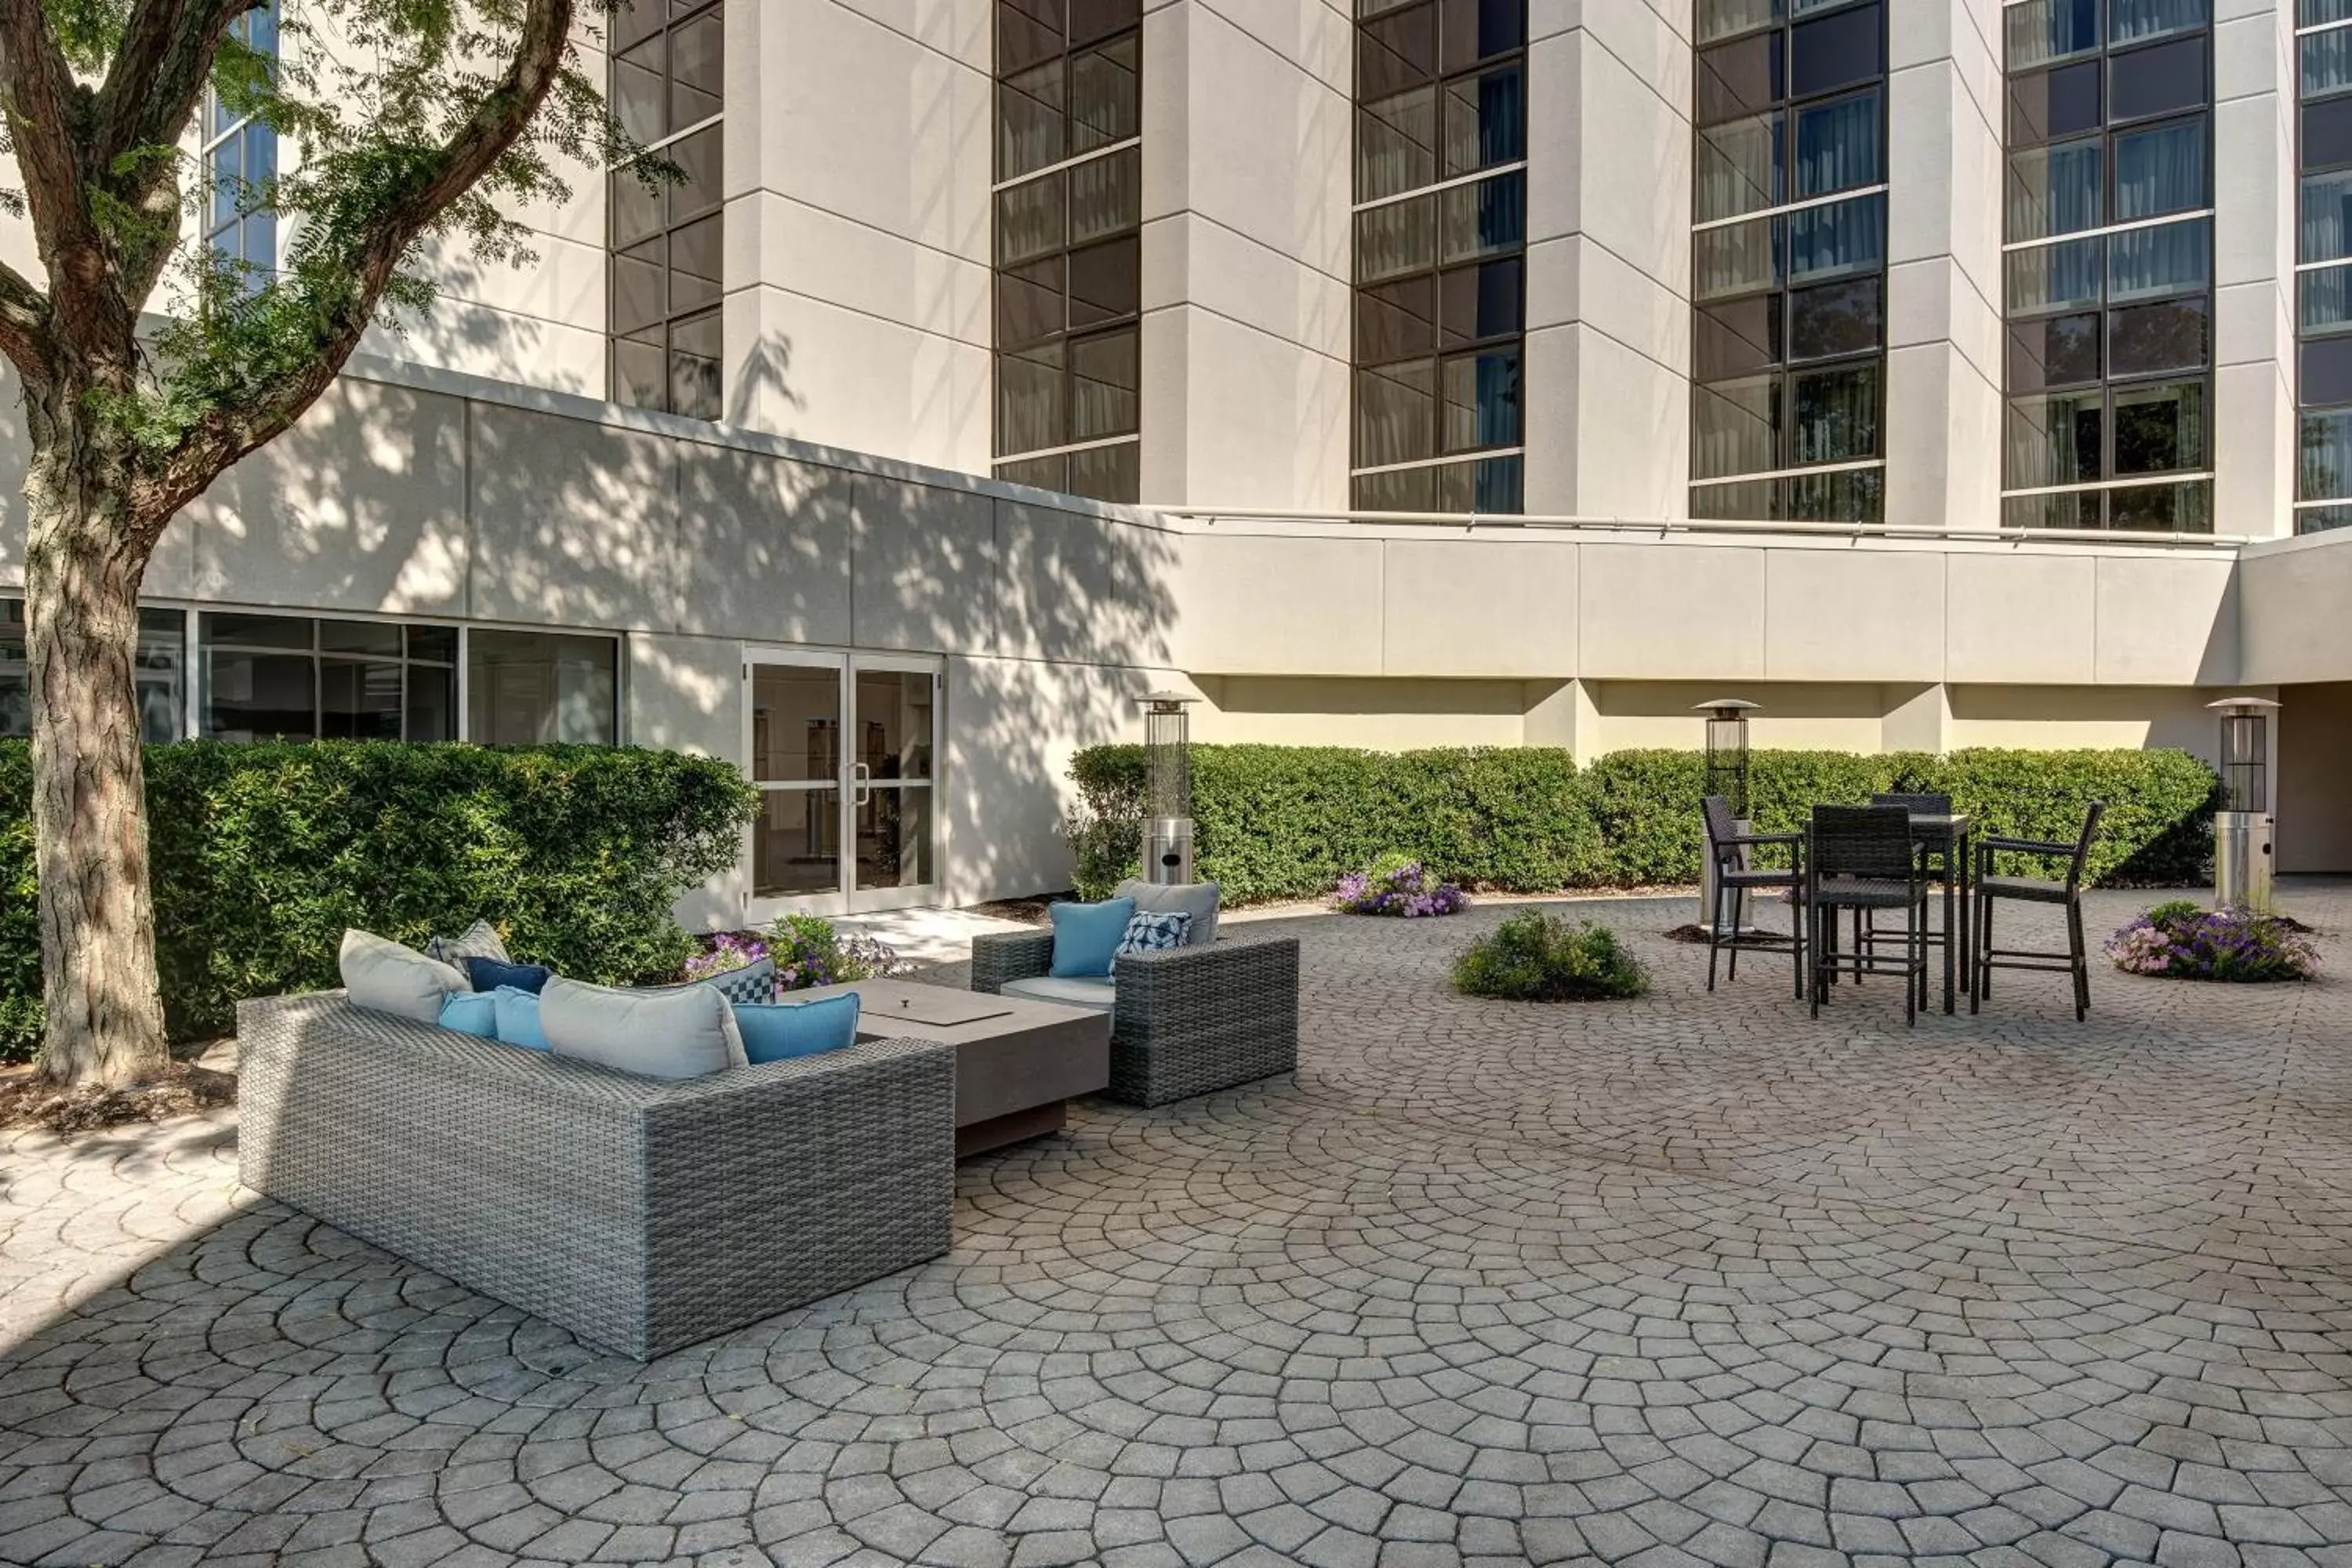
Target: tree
416	121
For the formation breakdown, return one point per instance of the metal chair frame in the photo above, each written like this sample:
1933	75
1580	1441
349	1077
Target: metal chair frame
2075	961
1735	878
1939	865
1862	857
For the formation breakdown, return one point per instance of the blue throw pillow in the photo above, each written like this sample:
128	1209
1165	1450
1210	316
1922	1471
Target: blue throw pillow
518	1012
777	1031
470	1013
1087	937
1156	931
489	975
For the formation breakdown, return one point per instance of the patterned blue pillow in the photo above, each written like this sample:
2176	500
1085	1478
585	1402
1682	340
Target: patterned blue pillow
489	975
1155	931
755	981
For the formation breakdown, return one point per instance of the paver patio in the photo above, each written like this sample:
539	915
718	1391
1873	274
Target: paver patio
1692	1279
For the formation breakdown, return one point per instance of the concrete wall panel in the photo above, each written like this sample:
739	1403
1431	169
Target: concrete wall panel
2293	599
766	547
1281	604
1822	608
1650	613
573	521
1479	606
925	568
2020	618
1076	587
686	694
2167	620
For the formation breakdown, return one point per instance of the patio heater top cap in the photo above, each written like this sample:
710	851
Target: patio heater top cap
1726	706
1167	702
2249	705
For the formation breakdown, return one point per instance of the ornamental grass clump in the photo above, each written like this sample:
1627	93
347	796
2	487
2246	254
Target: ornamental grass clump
1536	957
1399	886
2179	940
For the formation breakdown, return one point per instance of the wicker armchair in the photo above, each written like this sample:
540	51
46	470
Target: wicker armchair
1188	1021
643	1214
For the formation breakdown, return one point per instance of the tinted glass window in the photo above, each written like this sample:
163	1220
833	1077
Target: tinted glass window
1395	320
1396	52
2159	428
1739	79
1481	301
2159	81
2328	372
1835	319
2055	441
2057	351
2050	105
2175	335
1737	339
2327	132
1474	30
1838	50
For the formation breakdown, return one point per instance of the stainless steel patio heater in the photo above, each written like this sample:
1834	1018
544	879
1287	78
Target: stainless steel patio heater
1168	788
1726	775
2244	827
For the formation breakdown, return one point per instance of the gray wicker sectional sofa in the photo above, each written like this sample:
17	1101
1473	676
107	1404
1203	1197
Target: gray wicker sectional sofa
642	1215
1187	1021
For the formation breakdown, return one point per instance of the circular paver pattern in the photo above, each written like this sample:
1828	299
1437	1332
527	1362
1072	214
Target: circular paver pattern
1695	1279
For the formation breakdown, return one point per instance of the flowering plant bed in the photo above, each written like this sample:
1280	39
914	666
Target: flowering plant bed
808	951
2181	941
1400	887
1536	957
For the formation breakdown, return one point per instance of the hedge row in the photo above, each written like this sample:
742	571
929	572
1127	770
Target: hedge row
262	855
1275	822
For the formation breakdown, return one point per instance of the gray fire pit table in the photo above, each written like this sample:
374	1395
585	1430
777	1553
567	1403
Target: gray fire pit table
1016	1061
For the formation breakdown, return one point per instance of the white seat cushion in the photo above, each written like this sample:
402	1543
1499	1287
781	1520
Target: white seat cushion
1097	994
681	1031
1198	900
382	975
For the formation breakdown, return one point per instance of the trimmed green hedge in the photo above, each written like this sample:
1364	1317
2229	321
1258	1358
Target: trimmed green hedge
1276	822
261	855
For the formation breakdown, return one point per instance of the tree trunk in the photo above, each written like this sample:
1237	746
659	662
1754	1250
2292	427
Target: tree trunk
83	563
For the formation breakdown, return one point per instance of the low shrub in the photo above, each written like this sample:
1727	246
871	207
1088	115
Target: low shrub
1287	822
1538	957
2181	941
1398	886
261	855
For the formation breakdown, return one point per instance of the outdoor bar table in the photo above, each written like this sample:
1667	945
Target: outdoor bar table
1949	834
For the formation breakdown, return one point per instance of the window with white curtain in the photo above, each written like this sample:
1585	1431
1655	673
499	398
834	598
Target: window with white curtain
2324	273
1789	260
2108	265
1439	228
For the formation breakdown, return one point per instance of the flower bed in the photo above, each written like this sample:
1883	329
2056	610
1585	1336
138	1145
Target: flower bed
1536	957
1398	887
2179	940
808	951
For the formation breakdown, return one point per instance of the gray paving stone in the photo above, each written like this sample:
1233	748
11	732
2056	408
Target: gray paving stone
1695	1280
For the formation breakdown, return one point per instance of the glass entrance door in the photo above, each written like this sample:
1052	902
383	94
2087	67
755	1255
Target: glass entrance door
841	748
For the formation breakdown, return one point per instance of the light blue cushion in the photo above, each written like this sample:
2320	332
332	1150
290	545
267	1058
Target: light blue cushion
1085	936
517	1013
777	1031
471	1012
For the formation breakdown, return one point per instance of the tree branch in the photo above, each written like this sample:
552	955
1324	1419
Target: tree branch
45	108
371	254
152	86
23	326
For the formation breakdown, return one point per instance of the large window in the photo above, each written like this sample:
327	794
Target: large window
1789	261
158	675
1068	248
1440	241
240	159
2109	264
533	689
667	235
2323	268
289	678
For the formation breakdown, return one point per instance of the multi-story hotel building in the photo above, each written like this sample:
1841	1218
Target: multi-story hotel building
1388	372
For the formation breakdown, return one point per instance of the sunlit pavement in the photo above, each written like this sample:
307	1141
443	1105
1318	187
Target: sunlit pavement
1694	1278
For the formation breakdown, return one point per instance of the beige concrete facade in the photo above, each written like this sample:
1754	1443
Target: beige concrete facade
472	471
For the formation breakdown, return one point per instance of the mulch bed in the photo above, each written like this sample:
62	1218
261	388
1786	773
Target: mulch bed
29	1100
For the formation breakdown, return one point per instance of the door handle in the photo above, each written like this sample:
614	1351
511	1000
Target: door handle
862	786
